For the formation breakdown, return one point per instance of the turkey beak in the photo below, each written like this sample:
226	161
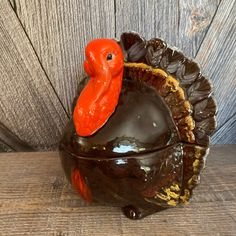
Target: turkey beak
96	66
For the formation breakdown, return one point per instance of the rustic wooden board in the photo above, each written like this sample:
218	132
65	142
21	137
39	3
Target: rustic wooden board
10	142
226	132
217	57
29	106
35	199
59	31
180	23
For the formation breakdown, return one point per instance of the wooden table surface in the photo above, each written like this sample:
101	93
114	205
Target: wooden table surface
36	199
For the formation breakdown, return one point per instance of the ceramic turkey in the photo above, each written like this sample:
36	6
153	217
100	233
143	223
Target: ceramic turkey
141	125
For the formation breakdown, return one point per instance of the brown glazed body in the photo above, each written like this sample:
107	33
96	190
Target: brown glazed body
129	182
149	154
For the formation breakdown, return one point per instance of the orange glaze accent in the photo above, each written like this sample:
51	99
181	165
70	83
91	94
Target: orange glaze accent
99	98
79	184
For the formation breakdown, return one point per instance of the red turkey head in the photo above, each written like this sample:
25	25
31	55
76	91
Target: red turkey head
98	100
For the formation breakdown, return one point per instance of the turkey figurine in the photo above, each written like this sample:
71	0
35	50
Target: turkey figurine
141	126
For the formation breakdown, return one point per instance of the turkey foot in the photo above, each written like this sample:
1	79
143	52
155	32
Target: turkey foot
136	213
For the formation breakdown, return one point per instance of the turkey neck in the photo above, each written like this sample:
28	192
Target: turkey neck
97	102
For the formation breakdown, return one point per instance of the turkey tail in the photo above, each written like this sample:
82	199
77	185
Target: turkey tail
185	90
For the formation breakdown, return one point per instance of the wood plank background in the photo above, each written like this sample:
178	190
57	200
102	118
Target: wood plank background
41	55
36	199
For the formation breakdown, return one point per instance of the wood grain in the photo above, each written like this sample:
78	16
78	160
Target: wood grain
217	57
29	106
4	147
10	141
59	31
195	18
180	23
226	132
35	199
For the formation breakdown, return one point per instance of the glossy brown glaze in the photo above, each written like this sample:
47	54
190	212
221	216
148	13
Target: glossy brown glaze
121	163
132	182
141	123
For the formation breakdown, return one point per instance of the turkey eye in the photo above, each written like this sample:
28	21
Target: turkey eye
109	57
